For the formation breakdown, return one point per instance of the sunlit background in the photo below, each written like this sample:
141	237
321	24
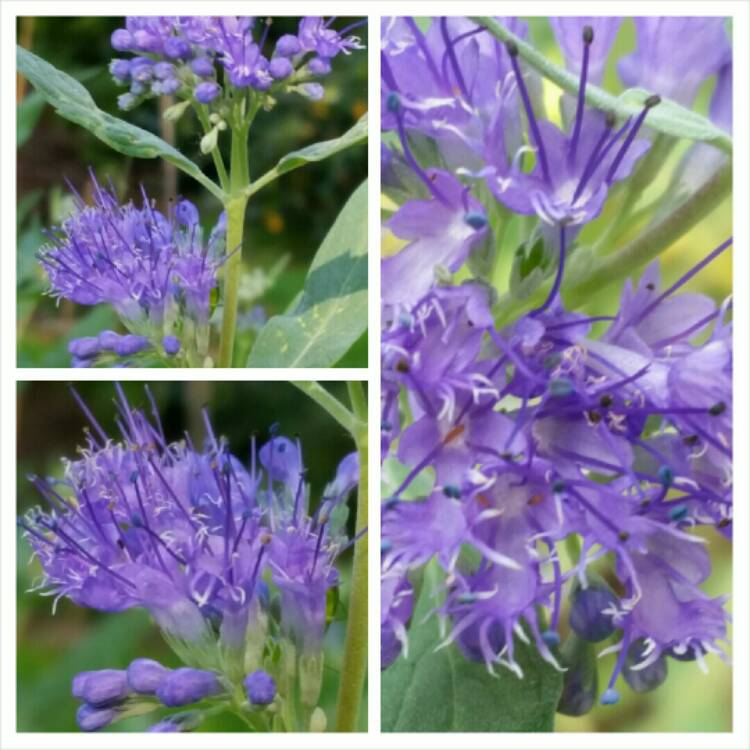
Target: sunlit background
53	648
285	222
689	701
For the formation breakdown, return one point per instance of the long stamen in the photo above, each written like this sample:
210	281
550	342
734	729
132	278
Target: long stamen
453	59
650	103
513	52
594	160
689	275
588	37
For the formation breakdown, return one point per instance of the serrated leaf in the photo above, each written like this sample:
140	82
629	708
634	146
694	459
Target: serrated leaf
316	152
331	313
668	117
72	101
445	692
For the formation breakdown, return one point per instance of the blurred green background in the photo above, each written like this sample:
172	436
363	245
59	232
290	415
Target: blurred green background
689	701
51	649
288	218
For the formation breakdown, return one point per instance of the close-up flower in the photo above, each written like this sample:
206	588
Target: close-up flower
557	461
236	561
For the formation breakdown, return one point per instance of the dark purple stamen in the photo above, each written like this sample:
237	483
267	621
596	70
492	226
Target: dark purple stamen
451	53
588	37
513	53
651	102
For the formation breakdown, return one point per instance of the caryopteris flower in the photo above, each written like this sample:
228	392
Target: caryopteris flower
232	563
612	433
203	58
154	270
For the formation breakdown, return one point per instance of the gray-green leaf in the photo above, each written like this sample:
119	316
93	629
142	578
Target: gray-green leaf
72	101
669	117
316	152
445	692
331	313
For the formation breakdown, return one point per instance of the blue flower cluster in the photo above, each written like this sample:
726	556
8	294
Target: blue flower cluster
610	432
187	55
232	564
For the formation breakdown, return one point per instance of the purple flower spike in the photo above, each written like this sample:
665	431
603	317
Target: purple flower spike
186	685
92	719
101	688
260	688
145	675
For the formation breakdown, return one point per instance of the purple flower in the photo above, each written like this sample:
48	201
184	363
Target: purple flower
196	539
317	35
442	231
676	70
260	688
150	268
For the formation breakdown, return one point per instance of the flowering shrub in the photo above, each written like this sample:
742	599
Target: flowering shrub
178	297
547	468
236	564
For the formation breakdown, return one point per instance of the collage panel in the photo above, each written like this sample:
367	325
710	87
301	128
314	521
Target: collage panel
556	374
195	561
192	191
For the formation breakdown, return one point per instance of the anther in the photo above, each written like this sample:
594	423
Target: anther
512	48
678	512
560	387
588	35
666	476
606	401
652	101
623	536
476	220
450	490
717	409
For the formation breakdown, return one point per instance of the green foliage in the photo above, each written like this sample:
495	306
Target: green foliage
72	101
315	152
445	692
331	313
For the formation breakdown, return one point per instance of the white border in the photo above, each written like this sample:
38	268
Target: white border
9	738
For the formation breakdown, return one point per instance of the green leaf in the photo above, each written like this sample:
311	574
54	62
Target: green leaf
72	101
445	692
316	152
668	117
331	313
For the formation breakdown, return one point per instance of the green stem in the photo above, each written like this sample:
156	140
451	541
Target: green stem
648	245
354	667
330	403
235	209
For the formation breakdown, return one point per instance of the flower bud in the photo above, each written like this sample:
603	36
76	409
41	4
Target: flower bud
186	685
203	67
580	680
183	722
122	40
260	688
287	45
171	345
91	719
205	93
131	344
176	111
84	348
102	687
318	720
145	675
280	68
587	615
